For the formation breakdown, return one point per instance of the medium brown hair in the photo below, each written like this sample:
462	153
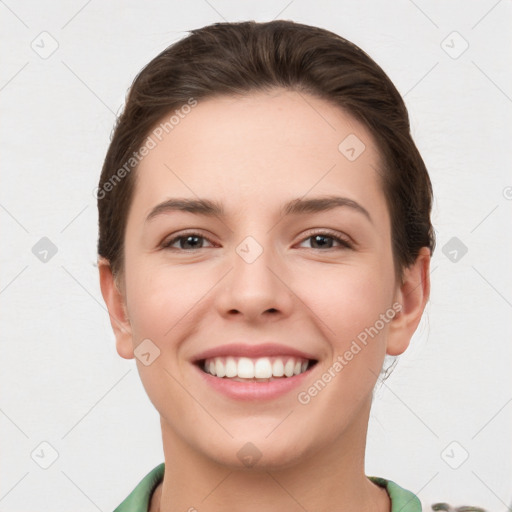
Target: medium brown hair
238	58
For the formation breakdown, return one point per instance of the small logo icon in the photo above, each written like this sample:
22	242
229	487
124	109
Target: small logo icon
44	250
351	147
45	45
454	249
454	45
455	455
44	455
507	193
249	455
146	352
249	249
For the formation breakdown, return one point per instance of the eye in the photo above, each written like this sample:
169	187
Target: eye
186	242
194	241
325	240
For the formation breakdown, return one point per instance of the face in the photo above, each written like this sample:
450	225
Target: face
276	272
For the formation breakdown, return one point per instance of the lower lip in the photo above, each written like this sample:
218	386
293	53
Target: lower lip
254	390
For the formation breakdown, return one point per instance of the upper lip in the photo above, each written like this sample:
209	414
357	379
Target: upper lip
252	351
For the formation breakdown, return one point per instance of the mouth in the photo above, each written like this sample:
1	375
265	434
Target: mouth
261	369
254	372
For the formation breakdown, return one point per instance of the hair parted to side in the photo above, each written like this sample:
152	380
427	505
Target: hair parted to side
243	57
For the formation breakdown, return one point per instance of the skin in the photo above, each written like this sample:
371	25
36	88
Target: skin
253	154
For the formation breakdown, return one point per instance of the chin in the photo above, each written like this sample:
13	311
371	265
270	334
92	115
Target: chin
255	456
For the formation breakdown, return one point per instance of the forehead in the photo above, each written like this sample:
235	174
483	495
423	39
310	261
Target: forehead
262	148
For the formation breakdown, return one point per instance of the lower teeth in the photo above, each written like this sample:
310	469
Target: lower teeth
241	379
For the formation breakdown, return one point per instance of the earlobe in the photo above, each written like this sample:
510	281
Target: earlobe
116	306
412	294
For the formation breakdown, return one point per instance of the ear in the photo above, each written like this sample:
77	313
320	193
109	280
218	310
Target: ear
412	294
116	305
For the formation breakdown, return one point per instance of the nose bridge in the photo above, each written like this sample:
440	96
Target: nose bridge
253	285
253	263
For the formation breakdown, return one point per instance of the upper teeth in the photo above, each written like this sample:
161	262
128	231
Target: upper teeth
261	368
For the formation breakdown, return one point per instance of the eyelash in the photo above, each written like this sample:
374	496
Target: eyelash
345	244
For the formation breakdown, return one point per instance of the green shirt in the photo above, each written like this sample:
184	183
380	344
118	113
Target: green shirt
139	498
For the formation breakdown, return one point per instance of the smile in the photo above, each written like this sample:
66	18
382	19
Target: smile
262	369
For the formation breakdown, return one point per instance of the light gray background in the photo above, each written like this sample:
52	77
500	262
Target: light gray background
62	380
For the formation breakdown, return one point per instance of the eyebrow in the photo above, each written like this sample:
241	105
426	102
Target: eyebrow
298	206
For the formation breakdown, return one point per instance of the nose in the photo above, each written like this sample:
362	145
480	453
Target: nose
256	288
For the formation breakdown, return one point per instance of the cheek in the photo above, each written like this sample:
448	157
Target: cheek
163	304
161	296
347	299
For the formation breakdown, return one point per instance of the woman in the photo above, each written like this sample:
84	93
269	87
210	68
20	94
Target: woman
264	242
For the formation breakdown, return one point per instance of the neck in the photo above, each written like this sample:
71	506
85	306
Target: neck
331	478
